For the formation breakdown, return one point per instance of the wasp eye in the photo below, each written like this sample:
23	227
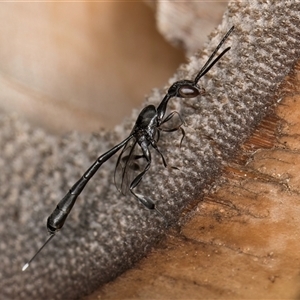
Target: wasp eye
188	91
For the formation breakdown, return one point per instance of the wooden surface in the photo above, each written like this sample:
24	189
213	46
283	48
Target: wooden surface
242	241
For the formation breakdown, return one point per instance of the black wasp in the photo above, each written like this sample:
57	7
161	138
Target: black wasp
135	158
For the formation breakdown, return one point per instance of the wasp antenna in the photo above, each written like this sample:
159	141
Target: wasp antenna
34	256
209	65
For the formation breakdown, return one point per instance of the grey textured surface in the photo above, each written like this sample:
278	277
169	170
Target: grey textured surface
107	233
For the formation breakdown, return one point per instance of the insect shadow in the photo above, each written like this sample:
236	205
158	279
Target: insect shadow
135	158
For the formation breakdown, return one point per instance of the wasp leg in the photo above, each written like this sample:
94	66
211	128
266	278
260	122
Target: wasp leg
177	127
146	201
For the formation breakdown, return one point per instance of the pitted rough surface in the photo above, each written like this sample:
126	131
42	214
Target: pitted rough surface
106	233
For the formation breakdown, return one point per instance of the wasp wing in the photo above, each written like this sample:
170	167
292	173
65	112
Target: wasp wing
131	162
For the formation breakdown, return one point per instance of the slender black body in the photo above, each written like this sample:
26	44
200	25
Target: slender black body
135	158
57	219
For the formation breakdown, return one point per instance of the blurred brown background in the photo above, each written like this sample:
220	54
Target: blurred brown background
82	66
